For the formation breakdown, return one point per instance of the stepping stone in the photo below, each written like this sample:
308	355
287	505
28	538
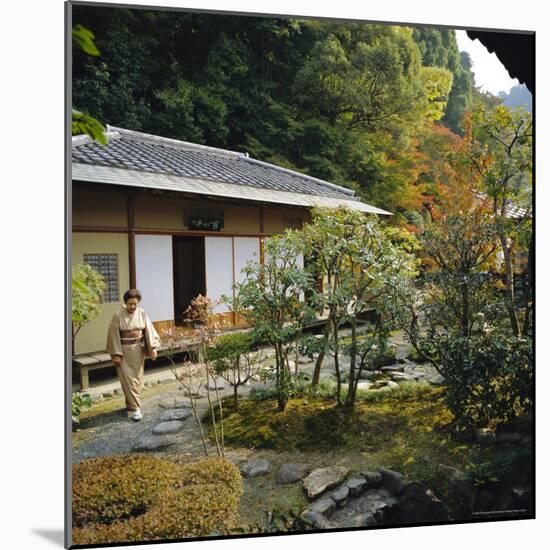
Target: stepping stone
391	384
107	394
150	443
324	506
392	368
322	479
291	472
361	520
174	403
356	485
170	427
363	385
220	385
256	467
176	414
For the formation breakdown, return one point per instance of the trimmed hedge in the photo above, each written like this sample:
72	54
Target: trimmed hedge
139	497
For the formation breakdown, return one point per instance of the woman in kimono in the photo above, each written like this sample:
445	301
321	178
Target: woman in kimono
131	337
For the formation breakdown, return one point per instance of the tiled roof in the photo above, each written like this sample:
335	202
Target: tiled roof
152	154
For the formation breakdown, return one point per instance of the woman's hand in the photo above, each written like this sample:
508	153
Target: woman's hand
117	359
154	354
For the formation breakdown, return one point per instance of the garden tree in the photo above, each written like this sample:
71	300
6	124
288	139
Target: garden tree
456	319
500	142
369	76
235	360
271	300
87	290
377	260
361	259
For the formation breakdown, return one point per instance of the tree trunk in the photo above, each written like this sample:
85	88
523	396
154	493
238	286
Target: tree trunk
321	357
352	384
529	287
510	293
336	365
235	397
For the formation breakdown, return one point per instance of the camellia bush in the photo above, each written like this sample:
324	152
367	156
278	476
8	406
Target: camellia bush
490	378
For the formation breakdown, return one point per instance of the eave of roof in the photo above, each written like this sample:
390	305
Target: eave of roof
203	187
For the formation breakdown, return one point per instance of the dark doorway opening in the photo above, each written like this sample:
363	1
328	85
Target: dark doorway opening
189	273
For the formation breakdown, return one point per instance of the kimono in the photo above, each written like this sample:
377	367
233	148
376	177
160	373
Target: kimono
133	337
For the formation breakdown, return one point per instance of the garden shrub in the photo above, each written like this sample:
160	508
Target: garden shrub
385	358
489	378
139	497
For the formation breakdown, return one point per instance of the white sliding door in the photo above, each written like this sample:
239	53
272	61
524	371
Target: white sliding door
246	249
154	275
219	269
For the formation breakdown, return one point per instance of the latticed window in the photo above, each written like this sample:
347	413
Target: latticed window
106	265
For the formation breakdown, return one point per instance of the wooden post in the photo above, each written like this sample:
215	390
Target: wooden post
131	239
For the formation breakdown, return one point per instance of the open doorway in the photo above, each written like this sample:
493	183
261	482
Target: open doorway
189	273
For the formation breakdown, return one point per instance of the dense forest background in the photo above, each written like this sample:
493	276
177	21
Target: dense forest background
371	107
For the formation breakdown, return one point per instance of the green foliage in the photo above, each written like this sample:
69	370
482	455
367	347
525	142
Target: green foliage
87	290
230	347
84	39
138	497
439	48
490	378
85	124
78	402
82	123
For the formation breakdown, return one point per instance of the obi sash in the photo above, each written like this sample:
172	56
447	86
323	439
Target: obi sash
129	337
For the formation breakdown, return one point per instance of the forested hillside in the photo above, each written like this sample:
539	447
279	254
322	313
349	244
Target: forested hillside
371	107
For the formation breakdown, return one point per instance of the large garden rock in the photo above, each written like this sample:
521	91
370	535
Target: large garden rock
374	479
291	472
339	495
325	506
416	505
169	427
393	481
356	485
256	467
321	479
366	519
150	443
315	519
175	414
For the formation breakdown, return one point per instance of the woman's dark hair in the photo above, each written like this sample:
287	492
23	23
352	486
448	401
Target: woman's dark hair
132	293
